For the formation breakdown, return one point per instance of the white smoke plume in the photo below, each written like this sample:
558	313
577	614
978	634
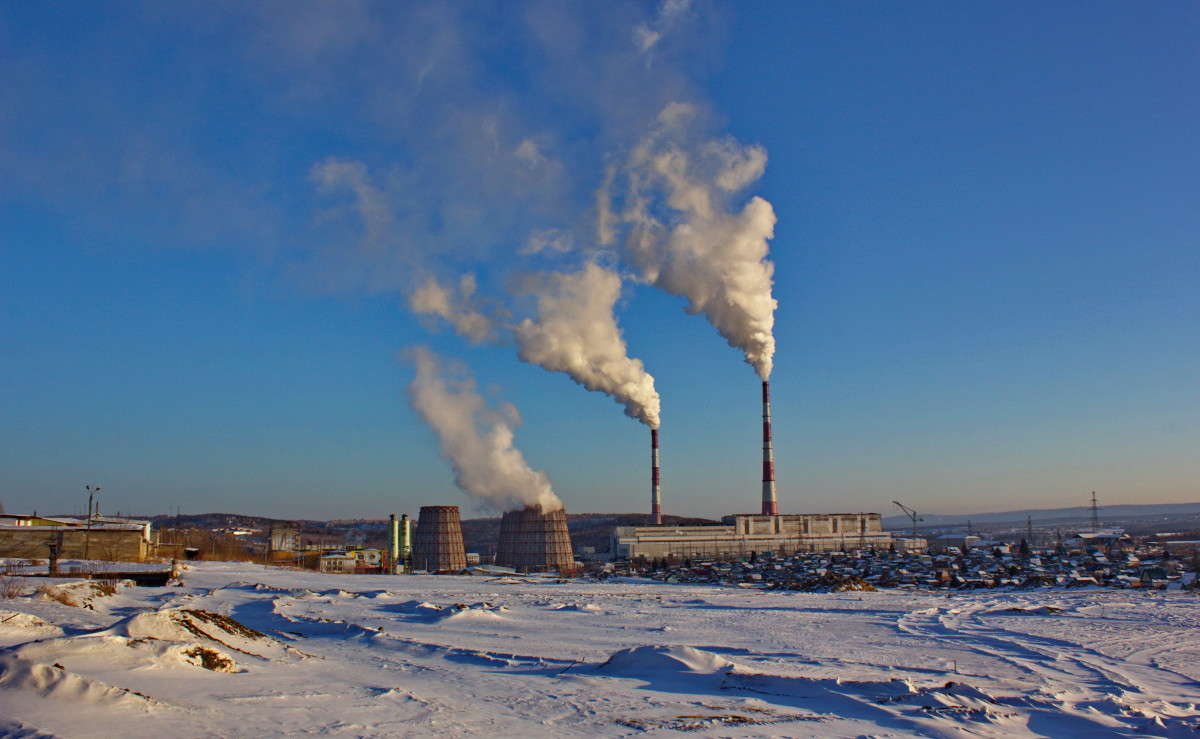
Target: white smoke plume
333	174
475	439
576	332
456	305
647	35
684	235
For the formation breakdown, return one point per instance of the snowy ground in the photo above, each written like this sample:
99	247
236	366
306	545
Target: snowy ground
427	655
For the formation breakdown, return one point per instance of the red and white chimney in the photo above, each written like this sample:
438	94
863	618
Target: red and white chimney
770	505
655	480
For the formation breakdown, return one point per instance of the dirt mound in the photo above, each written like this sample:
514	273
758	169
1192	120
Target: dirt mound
106	652
210	659
190	624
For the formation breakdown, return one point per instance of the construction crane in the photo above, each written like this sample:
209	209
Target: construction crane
911	514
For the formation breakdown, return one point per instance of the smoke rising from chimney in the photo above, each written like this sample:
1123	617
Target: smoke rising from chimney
455	305
475	439
683	234
576	332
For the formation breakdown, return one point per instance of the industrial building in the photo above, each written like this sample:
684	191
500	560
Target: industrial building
107	538
353	561
740	535
285	541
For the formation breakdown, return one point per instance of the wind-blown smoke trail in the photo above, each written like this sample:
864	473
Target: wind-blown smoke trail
456	306
576	332
693	243
476	440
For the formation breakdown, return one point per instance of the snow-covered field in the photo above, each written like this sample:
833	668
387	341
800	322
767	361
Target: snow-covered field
243	650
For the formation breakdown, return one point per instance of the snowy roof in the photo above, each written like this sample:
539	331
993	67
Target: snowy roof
74	527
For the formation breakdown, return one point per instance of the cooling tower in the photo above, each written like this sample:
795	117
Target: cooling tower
509	523
770	506
535	541
438	545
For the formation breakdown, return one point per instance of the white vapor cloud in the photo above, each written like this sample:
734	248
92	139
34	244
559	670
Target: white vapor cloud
576	333
477	441
548	241
333	174
454	304
647	35
684	235
529	153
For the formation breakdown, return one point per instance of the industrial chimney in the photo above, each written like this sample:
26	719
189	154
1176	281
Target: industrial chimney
655	481
406	538
393	540
770	506
438	545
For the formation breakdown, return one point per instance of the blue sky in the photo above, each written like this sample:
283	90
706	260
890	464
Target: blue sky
986	250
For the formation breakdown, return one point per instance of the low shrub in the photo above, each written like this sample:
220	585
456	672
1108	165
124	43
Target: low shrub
105	587
11	587
55	594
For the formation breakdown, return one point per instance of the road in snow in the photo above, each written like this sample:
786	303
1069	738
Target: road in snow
449	656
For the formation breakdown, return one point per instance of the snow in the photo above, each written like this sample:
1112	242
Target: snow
240	650
656	662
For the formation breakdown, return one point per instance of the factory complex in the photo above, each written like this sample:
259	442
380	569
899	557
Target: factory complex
741	535
536	540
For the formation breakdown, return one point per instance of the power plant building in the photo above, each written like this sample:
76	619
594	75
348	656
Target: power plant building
744	533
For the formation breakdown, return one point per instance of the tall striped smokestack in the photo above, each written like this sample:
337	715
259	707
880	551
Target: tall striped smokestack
770	506
655	480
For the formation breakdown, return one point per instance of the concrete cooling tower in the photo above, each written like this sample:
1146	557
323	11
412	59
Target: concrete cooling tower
532	540
438	545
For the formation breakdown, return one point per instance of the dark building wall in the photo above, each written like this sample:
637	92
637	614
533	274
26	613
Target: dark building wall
31	542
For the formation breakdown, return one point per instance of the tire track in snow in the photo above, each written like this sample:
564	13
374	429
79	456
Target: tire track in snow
1132	675
1077	679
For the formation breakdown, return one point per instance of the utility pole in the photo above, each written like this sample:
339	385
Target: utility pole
93	491
1095	514
1029	529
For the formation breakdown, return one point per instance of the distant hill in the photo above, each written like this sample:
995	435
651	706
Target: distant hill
223	521
1046	516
